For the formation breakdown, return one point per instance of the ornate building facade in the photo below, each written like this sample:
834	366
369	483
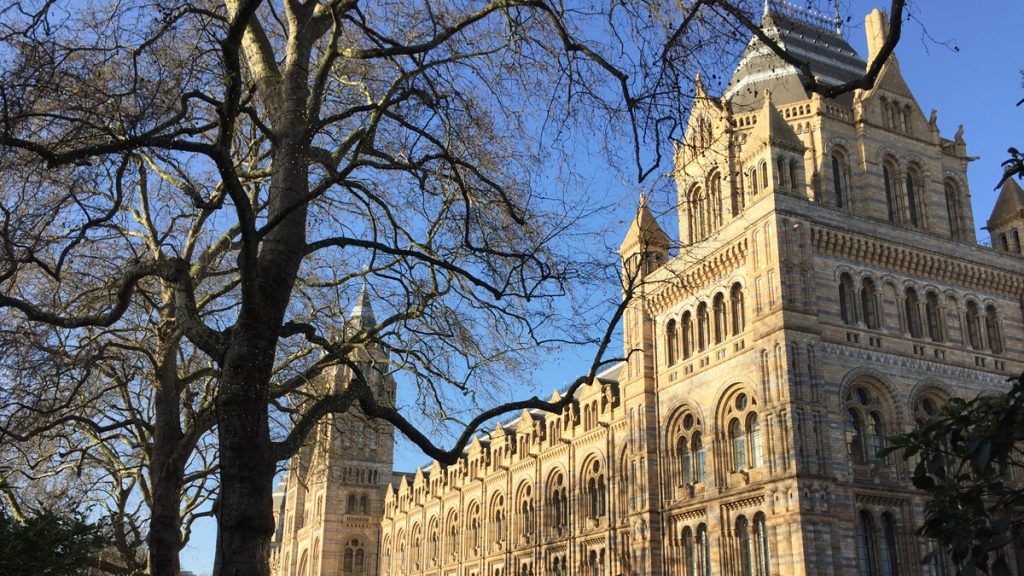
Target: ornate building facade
829	291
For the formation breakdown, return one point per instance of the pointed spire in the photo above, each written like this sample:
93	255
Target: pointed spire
1009	205
644	234
698	84
362	313
767	7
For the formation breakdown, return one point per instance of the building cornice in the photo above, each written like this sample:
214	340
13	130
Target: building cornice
915	261
672	289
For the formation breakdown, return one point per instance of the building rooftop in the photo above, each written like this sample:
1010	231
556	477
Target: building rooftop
805	34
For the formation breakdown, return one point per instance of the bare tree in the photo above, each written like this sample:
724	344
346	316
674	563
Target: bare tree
219	177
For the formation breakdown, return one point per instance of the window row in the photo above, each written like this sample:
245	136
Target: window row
905	191
704	202
750	550
696	332
1009	241
921	317
877	545
357	504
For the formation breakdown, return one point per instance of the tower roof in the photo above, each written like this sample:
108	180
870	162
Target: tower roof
772	128
362	316
801	32
1009	205
644	233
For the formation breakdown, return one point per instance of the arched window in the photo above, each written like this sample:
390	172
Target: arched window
354	558
689	558
888	552
686	431
746	547
847	308
914	189
992	332
687	336
865	424
597	493
754	438
364	505
715	201
702	326
744	432
558	503
954	210
697	448
453	535
433	543
696	216
738	440
933	315
416	541
867	542
737	310
720	320
764	175
704	550
840	179
498	519
780	172
473	518
351	504
737	199
684	460
888	172
912	309
869	304
764	563
973	321
753	182
672	341
526	512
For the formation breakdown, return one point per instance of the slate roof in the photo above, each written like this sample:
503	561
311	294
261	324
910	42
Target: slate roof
805	34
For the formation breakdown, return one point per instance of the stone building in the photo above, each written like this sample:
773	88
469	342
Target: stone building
829	291
328	507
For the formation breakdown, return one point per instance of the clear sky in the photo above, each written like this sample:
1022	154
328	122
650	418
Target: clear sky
961	58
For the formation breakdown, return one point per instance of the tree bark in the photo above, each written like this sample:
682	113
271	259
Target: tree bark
247	464
167	469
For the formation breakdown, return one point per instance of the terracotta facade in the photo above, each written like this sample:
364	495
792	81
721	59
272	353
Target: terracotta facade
829	291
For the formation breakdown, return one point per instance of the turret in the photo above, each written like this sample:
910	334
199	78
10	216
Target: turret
1006	224
645	248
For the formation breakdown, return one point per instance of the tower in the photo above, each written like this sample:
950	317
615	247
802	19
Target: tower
331	500
644	251
828	293
1006	224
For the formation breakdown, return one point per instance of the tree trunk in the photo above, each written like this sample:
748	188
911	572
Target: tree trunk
167	467
245	509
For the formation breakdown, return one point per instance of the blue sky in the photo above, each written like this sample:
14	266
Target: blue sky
961	58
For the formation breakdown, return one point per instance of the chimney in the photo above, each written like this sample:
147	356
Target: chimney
877	25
